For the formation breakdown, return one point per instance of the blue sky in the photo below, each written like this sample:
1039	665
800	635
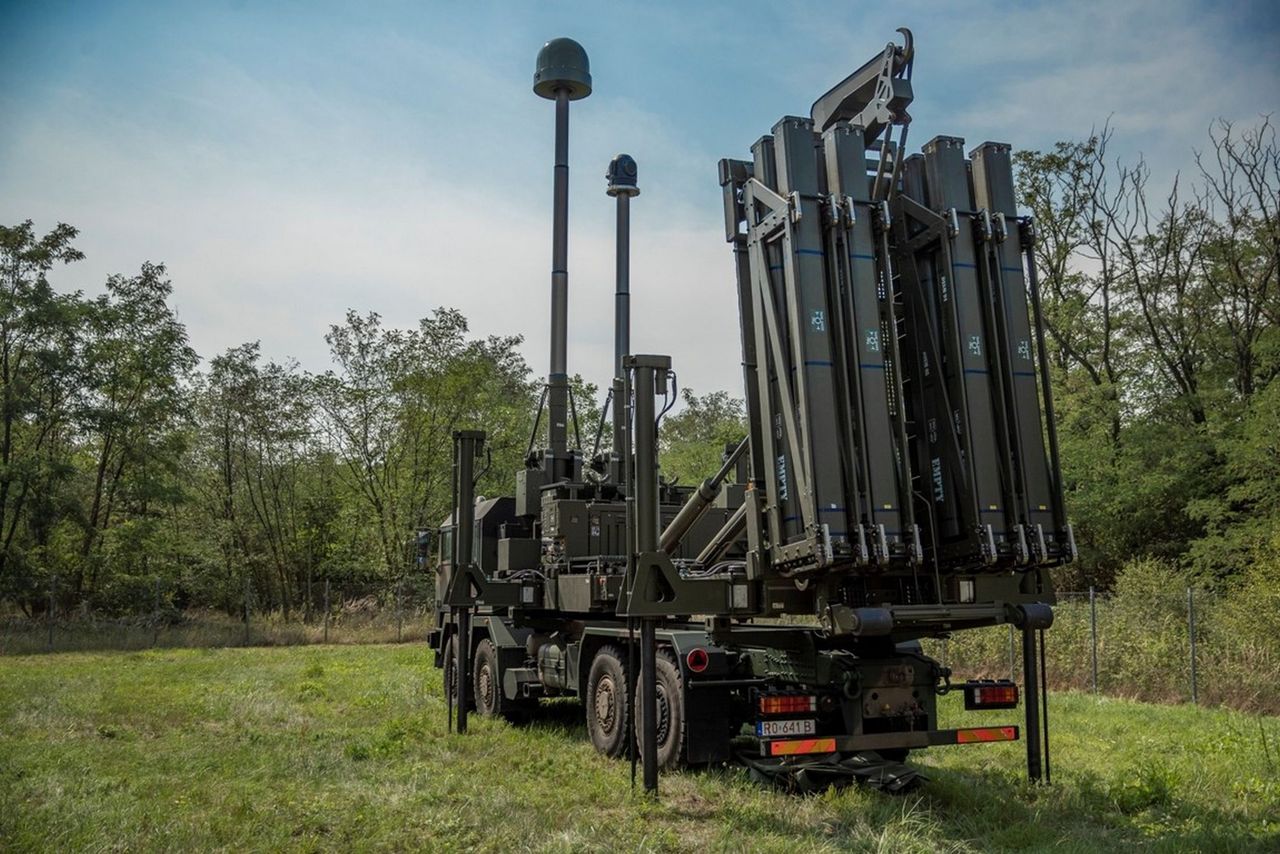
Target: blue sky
291	160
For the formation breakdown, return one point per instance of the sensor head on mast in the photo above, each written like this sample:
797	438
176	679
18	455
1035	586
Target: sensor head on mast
562	64
622	176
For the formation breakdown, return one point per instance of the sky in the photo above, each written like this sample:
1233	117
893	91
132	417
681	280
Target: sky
289	161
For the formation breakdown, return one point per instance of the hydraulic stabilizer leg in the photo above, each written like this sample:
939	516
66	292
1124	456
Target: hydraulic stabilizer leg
467	445
649	704
1031	692
462	664
1044	709
649	378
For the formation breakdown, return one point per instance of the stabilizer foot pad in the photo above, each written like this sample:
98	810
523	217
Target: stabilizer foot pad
814	774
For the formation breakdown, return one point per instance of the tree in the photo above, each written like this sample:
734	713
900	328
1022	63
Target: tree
139	366
693	440
39	382
258	438
390	409
1068	190
1241	261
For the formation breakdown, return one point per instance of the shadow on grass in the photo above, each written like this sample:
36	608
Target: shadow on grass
993	808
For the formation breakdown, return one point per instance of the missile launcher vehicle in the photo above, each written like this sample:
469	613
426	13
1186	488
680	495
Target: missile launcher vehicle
898	481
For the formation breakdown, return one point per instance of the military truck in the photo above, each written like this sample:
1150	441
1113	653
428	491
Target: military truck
899	479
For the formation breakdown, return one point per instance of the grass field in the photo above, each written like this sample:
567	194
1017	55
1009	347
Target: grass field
327	747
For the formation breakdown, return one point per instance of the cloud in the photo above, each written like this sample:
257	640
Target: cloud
273	228
289	170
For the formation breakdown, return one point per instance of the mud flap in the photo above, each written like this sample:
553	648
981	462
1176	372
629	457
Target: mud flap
822	772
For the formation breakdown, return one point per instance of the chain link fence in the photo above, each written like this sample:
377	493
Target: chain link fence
1182	645
326	611
1169	643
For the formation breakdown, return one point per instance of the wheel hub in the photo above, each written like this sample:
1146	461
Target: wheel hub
664	715
605	700
484	685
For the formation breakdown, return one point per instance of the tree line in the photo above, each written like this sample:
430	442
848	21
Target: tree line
124	459
1162	314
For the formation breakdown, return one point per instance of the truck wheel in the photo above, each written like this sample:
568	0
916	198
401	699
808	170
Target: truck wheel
607	722
671	729
487	686
451	675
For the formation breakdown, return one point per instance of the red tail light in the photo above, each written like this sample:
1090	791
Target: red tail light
697	659
990	695
788	704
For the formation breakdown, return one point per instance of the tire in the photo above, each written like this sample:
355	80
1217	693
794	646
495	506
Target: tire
606	702
486	687
671	723
450	680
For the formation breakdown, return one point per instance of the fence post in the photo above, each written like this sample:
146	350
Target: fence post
1191	633
155	616
1013	668
53	584
1093	634
246	609
399	620
326	610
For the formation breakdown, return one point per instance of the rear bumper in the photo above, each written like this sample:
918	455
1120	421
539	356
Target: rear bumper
886	741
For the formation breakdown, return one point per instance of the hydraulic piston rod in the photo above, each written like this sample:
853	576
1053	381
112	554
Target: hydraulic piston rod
699	502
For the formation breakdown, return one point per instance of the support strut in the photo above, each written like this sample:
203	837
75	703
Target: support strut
467	445
646	378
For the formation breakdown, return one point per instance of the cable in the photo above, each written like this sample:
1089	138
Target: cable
669	401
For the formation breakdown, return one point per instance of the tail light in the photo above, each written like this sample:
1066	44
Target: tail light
990	695
697	659
788	704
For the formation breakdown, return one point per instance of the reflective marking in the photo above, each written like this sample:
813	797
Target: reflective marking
995	733
804	745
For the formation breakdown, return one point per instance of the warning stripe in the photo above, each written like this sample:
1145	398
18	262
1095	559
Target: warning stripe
804	745
999	733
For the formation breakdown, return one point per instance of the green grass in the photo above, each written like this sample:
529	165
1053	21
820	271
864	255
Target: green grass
328	747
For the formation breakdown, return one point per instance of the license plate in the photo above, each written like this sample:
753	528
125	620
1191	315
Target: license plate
774	729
